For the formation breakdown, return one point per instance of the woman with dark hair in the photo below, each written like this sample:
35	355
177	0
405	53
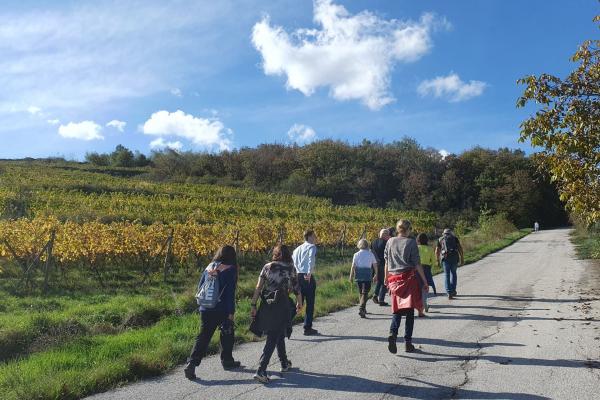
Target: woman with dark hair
224	267
276	281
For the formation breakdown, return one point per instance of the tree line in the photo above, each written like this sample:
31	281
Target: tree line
401	174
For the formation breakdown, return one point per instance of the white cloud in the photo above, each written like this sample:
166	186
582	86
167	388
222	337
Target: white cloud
301	134
444	153
84	130
206	133
53	121
353	55
33	110
451	87
176	92
118	125
160	143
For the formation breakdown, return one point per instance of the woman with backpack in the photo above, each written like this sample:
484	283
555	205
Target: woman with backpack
402	264
277	280
216	300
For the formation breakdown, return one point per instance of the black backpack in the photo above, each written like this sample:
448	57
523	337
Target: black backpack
449	245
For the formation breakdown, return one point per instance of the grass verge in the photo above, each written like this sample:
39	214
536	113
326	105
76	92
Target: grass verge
92	362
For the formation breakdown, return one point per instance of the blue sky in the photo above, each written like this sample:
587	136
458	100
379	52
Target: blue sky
79	76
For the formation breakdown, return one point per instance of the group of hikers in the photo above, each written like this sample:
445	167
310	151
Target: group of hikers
396	263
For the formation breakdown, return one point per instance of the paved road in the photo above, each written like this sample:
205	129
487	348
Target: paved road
525	326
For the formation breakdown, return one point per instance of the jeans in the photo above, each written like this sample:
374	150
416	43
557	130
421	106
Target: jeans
210	320
380	289
275	339
429	276
363	291
409	313
451	278
309	291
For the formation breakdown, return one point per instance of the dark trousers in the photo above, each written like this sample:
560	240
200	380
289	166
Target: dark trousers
210	321
309	291
275	339
409	313
429	276
451	277
380	289
363	291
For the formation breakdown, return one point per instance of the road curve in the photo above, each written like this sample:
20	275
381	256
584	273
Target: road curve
525	326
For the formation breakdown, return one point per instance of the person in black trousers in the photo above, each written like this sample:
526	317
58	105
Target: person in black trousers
304	258
277	280
378	249
221	316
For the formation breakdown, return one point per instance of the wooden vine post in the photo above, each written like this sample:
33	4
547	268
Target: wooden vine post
168	260
49	248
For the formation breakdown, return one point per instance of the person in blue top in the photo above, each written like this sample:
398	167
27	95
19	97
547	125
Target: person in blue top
364	270
221	316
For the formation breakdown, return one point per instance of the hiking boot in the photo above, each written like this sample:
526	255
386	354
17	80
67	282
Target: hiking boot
232	364
310	332
375	300
190	371
286	365
450	296
392	344
408	347
383	304
454	293
261	376
362	313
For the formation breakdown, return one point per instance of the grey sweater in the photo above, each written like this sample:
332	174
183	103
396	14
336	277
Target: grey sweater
401	254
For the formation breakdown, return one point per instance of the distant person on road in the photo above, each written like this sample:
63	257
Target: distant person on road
224	267
277	280
536	226
378	249
304	258
428	260
363	270
450	252
402	264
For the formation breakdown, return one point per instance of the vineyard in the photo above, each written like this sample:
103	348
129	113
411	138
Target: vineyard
77	217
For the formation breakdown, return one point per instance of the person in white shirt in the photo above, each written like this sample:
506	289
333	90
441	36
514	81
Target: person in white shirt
364	271
304	257
536	226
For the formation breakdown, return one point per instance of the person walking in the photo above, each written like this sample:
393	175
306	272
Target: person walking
276	282
378	249
219	314
402	264
428	260
450	253
364	270
304	257
536	226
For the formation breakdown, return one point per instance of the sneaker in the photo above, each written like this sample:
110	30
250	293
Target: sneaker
190	372
392	344
422	315
310	332
450	296
427	308
261	376
375	300
285	366
227	365
362	313
383	304
408	347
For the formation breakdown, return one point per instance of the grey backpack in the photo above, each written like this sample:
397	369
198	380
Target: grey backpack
209	290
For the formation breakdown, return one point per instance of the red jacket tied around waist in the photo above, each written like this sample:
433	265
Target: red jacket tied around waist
405	291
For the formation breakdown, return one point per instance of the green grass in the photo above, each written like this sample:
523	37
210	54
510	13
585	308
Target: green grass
94	349
587	243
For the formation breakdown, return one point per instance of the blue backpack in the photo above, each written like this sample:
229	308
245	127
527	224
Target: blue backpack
209	290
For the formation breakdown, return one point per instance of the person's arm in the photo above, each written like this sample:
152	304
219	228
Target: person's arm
437	253
461	253
385	275
415	260
229	292
257	290
312	259
352	272
295	287
374	268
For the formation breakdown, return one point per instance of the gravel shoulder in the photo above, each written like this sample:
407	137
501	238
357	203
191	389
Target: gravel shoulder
525	326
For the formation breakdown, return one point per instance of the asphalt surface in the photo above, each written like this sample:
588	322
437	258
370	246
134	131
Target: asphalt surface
525	325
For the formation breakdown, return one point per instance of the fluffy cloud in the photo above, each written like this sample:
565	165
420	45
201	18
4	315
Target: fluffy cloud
118	125
206	133
176	92
85	130
444	153
353	55
34	110
53	121
451	87
301	134
160	143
